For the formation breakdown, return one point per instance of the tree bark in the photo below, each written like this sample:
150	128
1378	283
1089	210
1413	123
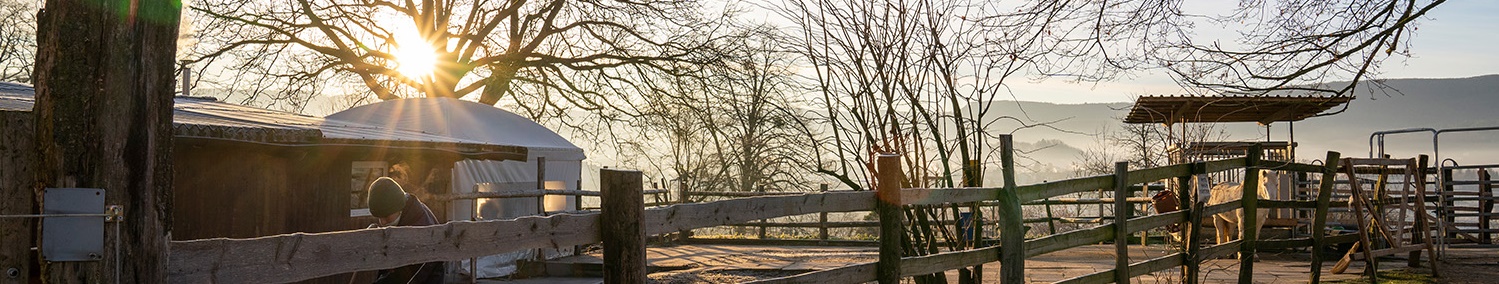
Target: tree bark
104	120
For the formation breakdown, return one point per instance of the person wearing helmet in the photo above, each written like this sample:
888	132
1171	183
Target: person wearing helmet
394	207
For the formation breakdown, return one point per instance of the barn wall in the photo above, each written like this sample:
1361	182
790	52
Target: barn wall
17	174
224	190
321	179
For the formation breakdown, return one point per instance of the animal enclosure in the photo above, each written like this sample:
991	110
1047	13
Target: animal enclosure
272	259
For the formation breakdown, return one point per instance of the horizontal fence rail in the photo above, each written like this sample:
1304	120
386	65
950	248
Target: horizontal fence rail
1040	193
295	257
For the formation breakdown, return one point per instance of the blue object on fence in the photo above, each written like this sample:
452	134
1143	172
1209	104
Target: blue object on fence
966	227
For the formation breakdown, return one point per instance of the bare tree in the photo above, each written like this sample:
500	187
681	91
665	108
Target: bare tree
735	126
1298	45
17	40
103	118
1145	142
570	52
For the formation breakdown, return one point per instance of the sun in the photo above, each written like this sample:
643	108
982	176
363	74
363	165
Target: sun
415	57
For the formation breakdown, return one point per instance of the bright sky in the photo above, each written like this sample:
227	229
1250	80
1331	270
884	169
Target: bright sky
1454	42
1450	43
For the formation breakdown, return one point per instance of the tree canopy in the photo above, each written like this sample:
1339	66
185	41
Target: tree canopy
575	49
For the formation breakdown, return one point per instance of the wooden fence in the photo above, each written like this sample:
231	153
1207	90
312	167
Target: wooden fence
294	257
1013	249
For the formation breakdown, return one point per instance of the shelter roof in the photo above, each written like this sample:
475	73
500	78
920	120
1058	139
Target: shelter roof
464	120
208	118
1262	109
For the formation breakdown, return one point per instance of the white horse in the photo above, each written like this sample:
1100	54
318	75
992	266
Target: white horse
1228	223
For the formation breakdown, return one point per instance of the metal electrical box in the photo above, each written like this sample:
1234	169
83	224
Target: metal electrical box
73	238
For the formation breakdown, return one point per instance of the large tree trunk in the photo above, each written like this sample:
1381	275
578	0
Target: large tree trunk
103	120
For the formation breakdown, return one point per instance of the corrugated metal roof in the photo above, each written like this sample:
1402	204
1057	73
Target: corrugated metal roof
16	96
16	88
1262	109
209	118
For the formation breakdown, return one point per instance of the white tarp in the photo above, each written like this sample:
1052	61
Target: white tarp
465	120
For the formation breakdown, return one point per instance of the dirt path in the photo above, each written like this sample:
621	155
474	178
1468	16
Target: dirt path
738	263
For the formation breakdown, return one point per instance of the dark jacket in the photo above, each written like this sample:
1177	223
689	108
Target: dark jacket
414	214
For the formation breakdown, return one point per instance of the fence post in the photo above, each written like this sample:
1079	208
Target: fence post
1191	230
1485	205
620	225
541	181
1012	234
888	208
1414	257
685	234
1248	221
761	189
1447	204
1121	229
1319	220
822	219
972	177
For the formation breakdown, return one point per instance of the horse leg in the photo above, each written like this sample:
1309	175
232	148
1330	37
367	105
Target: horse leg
1225	229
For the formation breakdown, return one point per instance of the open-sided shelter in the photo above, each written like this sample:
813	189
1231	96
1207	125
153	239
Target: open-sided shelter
1176	111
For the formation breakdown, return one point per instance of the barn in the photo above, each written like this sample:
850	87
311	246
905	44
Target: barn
242	172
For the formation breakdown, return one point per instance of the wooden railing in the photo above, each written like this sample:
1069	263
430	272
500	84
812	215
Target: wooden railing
892	265
294	257
301	256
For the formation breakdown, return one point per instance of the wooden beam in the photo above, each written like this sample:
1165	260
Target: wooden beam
621	226
936	196
1180	114
937	263
1288	166
1144	223
301	256
1192	226
1142	268
688	216
1067	240
18	235
1250	199
1220	208
1159	173
1319	218
1286	110
1012	232
1062	187
888	208
857	273
1219	250
1121	222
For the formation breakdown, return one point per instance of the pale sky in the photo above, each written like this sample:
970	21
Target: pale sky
1451	43
1455	41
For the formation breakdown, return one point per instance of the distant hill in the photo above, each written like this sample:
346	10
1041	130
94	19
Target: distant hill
1407	103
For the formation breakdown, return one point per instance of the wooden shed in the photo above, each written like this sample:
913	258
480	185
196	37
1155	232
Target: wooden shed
243	172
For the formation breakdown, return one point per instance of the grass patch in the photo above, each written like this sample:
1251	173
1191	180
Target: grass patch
1394	276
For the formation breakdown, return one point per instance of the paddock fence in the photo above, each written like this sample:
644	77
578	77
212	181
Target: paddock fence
623	224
